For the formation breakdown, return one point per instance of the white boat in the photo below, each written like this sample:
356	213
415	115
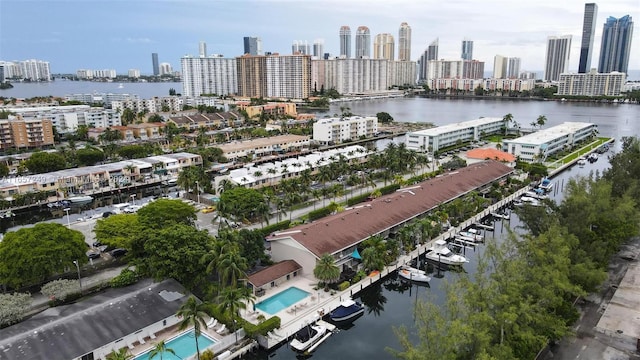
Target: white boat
80	200
527	200
546	185
439	252
500	215
307	336
470	235
348	310
540	195
582	161
413	274
121	86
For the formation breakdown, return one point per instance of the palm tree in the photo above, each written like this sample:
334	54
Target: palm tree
122	354
541	120
326	269
232	265
232	300
193	314
160	349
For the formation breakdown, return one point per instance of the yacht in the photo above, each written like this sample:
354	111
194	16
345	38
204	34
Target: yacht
348	310
307	336
413	274
80	200
439	252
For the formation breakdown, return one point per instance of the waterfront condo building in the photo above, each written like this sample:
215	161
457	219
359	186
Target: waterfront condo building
455	69
557	57
274	76
430	53
591	84
252	45
345	41
363	42
383	47
404	42
616	45
210	75
33	70
588	33
467	49
318	48
68	118
337	130
155	64
434	139
352	76
540	144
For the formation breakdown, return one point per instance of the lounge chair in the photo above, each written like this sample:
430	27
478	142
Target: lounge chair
152	336
212	323
130	346
222	329
141	340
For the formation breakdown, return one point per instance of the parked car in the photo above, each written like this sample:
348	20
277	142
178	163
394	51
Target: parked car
208	209
106	214
93	254
118	252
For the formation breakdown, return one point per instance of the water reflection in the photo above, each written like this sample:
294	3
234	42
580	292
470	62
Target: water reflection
373	298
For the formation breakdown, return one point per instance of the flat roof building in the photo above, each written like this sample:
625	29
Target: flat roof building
539	145
337	130
591	84
435	139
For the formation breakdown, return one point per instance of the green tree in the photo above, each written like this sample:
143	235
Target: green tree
326	269
155	118
384	117
241	203
232	300
133	151
42	162
160	349
165	212
541	120
118	231
128	116
4	170
31	255
13	307
193	314
89	156
122	354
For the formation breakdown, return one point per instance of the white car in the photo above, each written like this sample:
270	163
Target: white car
131	209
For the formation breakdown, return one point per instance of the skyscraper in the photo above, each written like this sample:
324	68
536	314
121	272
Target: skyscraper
557	57
500	67
588	31
363	42
616	45
156	64
345	41
383	46
467	49
252	45
318	48
404	42
430	53
513	68
203	49
300	47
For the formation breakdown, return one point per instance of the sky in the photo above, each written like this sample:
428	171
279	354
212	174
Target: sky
122	34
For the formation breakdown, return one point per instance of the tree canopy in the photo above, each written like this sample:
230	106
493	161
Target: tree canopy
241	203
43	162
164	212
118	231
30	255
384	117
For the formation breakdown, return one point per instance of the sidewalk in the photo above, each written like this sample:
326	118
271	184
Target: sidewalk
40	302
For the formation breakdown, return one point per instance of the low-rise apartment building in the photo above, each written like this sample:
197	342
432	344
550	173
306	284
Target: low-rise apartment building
259	147
18	133
539	145
591	84
272	109
213	120
435	139
338	130
68	118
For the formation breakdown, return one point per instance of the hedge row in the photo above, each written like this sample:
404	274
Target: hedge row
275	227
320	213
262	328
357	199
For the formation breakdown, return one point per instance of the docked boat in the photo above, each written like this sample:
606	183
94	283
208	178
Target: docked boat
439	252
527	200
307	337
536	194
413	274
80	200
593	157
546	185
500	215
582	161
472	235
348	310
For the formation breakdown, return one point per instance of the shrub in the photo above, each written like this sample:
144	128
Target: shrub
344	285
13	307
357	199
320	213
207	355
59	290
127	277
275	227
262	328
389	189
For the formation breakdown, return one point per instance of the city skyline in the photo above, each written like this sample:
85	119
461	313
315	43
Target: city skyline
124	35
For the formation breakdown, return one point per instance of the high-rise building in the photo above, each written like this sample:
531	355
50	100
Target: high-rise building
2	73
455	69
430	53
210	75
383	46
300	47
133	73
252	45
404	42
513	68
591	84
318	48
500	67
287	76
363	42
165	69
155	63
557	57
616	45
588	32
203	49
467	49
345	41
34	70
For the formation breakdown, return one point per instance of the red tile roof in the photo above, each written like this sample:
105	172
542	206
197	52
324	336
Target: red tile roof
489	153
342	230
273	272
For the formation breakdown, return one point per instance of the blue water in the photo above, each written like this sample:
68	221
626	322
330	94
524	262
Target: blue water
281	300
183	345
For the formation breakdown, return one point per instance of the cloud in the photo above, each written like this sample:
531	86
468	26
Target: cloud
132	40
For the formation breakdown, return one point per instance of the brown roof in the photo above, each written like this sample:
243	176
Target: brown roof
342	230
490	153
273	272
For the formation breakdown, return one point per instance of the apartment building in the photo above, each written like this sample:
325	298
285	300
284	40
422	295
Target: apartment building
337	130
68	118
264	146
591	84
214	120
273	109
209	75
274	76
539	145
18	133
435	139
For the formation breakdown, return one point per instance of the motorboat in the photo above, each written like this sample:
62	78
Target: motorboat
439	252
546	185
500	215
593	157
413	274
306	337
582	161
536	194
348	310
80	200
470	235
528	200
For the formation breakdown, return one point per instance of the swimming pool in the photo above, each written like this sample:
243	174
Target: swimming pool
184	345
281	300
